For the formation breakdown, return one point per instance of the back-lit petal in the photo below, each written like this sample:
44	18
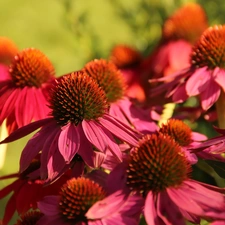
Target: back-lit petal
69	141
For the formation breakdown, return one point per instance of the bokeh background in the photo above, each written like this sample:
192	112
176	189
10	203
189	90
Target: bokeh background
73	32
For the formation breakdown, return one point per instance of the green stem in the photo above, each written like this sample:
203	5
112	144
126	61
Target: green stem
220	109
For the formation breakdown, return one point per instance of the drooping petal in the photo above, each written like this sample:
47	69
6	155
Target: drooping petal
117	179
198	81
180	95
150	213
179	197
9	104
56	165
49	149
86	150
94	135
219	77
40	99
107	206
69	142
210	199
210	95
49	205
24	107
23	131
168	211
106	137
119	129
34	145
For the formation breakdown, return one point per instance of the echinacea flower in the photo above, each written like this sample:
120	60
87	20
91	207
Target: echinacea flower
30	217
78	121
8	50
188	140
23	95
159	170
85	202
27	190
110	79
180	31
128	60
205	76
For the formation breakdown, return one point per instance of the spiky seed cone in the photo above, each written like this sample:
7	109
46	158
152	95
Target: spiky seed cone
178	130
76	97
108	77
77	196
156	164
209	51
31	68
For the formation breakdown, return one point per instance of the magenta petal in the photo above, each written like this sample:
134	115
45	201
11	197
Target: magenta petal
117	179
180	95
32	148
49	149
34	145
69	142
219	77
198	137
9	104
210	95
182	199
86	150
98	158
208	198
101	138
120	130
49	205
23	112
23	131
43	111
107	206
179	59
197	81
150	213
168	211
95	134
56	164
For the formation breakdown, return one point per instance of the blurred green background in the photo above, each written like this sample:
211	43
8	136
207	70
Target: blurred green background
72	32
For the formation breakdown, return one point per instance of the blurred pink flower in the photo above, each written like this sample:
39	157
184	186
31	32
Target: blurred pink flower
180	31
205	77
23	91
129	61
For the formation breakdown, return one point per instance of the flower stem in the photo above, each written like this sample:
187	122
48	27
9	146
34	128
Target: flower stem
3	147
220	109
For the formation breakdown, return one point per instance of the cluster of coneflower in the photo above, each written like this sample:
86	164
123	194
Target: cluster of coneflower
103	152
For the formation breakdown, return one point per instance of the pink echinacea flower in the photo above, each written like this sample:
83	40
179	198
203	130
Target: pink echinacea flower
23	94
78	121
85	202
205	76
159	170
